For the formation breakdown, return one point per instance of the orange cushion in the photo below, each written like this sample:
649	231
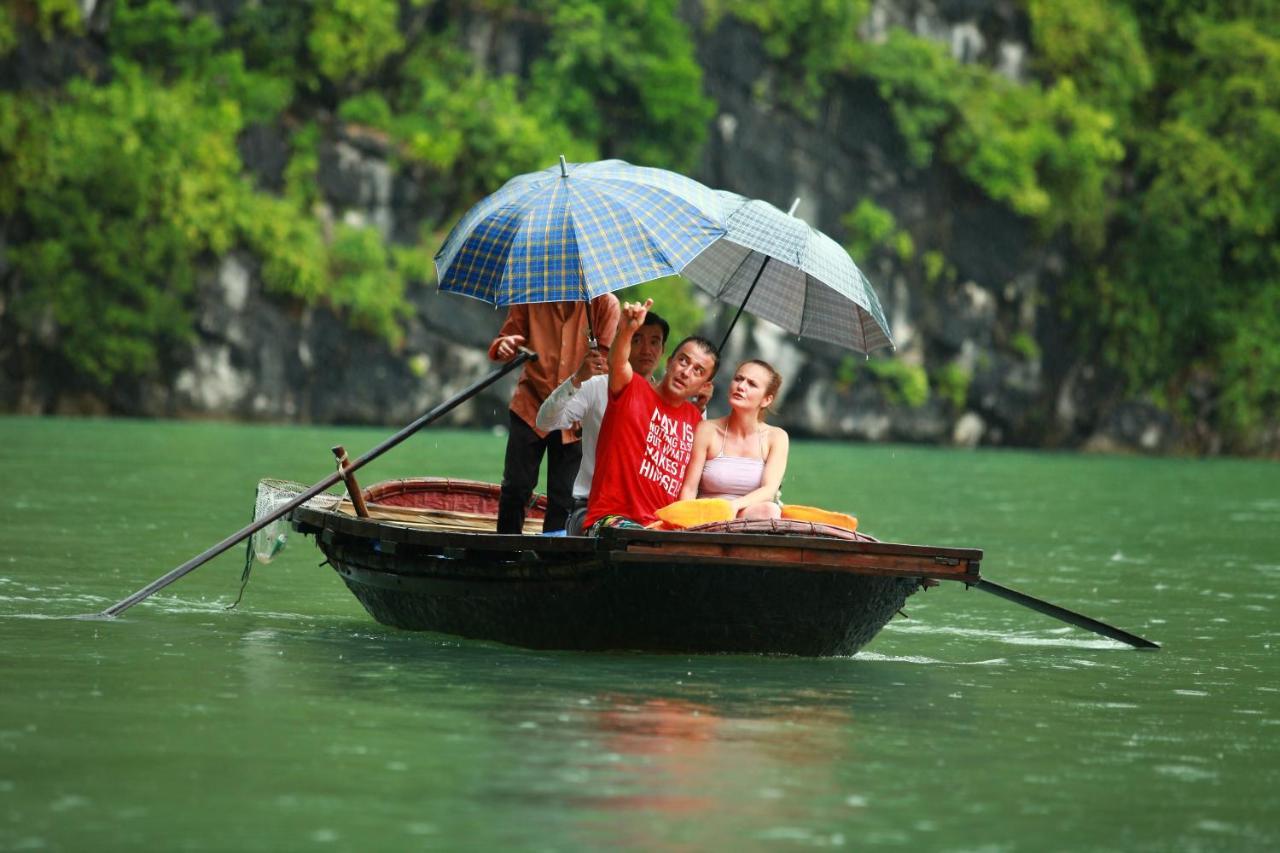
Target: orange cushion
682	514
820	516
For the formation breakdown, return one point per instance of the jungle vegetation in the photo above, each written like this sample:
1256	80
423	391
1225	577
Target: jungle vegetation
1147	139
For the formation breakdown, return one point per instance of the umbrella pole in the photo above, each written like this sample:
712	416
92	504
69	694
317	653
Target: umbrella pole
592	341
235	538
725	340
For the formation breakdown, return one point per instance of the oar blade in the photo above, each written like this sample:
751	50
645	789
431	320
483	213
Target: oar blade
1063	614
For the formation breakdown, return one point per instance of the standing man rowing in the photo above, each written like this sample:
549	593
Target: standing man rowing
557	332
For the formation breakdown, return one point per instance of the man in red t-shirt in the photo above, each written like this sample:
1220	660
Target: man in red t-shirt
646	437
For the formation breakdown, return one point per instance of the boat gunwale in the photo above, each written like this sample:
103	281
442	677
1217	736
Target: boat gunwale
621	545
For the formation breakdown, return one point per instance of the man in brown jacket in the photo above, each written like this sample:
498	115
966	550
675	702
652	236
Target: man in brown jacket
557	332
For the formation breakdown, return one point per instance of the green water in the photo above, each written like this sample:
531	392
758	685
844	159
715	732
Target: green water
297	722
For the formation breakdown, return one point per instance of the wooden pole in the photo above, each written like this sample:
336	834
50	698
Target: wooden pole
239	536
353	488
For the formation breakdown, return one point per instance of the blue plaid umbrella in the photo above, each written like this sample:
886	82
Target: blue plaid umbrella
577	231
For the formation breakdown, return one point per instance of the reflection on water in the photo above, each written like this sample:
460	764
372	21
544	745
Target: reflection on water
677	759
295	721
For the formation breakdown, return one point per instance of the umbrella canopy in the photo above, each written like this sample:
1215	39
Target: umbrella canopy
782	270
577	231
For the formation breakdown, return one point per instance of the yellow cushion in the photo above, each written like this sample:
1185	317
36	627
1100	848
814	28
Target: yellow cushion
683	514
821	516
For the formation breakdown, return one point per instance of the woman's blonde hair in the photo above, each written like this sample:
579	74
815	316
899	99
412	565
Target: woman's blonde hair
775	380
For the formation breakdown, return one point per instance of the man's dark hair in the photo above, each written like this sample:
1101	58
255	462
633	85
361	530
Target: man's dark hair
653	318
706	346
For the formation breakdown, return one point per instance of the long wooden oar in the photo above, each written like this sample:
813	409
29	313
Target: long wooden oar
200	559
1068	616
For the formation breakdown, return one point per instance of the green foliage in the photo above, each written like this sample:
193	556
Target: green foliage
155	34
924	87
1250	359
903	384
272	37
453	117
1183	293
304	165
159	34
870	227
1174	101
350	39
47	18
8	32
366	285
123	190
622	73
1148	142
1045	152
1097	44
1026	346
291	245
952	383
121	187
810	40
1048	154
937	268
368	108
673	298
847	372
416	265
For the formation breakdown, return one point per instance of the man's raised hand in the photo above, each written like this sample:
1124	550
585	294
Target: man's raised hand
633	314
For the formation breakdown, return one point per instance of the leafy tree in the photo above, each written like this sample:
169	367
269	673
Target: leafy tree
350	39
622	73
1196	253
119	190
811	40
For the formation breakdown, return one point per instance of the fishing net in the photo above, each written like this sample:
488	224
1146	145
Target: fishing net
264	545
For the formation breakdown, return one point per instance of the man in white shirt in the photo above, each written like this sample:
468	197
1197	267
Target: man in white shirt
583	396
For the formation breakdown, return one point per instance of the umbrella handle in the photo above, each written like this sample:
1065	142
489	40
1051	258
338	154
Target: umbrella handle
592	342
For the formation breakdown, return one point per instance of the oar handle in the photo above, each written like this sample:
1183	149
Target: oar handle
200	559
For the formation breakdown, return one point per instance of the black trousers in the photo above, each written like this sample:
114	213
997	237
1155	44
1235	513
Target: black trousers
520	476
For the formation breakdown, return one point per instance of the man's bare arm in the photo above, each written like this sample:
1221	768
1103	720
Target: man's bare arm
620	372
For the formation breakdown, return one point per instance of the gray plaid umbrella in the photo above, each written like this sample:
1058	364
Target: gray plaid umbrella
781	270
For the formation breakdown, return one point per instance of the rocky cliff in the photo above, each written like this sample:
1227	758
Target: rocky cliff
983	344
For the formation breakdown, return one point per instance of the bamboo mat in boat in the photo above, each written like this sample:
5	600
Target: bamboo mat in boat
450	521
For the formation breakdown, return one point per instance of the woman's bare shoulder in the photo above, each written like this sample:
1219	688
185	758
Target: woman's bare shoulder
711	424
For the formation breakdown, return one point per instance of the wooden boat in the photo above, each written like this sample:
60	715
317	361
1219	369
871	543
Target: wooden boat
423	560
417	554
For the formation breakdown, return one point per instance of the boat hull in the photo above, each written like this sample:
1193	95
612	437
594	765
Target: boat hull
593	604
425	561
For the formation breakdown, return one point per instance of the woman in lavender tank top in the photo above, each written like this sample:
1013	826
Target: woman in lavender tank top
739	457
